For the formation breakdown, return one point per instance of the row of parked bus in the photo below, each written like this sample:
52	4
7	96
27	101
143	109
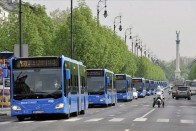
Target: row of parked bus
63	86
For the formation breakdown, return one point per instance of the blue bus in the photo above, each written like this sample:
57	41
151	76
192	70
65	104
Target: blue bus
101	90
148	88
123	87
47	86
152	86
139	84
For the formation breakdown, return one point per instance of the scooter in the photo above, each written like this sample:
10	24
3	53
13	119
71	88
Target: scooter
158	100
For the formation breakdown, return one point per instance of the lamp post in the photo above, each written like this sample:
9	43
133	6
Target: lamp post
20	28
71	30
132	37
126	34
99	10
141	46
115	24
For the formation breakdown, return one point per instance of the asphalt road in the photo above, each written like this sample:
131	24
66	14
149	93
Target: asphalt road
137	115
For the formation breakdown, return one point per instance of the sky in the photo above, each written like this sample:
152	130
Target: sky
154	21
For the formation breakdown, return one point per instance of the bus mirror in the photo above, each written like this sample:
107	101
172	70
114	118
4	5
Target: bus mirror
68	74
108	80
5	73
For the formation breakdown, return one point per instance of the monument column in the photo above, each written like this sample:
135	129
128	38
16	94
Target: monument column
177	71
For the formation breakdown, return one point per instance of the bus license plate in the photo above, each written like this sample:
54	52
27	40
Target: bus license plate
38	112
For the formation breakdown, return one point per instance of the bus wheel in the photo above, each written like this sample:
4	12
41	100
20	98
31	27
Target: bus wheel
82	112
20	118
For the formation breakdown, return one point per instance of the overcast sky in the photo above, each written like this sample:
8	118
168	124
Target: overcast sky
155	21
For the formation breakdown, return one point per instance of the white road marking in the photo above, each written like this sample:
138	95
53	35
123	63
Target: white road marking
122	105
24	122
127	130
187	121
111	115
95	119
148	113
116	119
73	119
182	106
162	120
140	119
5	122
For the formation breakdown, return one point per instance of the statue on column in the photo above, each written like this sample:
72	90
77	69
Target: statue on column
177	34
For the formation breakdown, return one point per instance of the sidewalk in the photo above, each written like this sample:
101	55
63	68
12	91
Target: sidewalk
4	111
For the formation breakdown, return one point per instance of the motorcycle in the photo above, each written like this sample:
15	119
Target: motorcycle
158	99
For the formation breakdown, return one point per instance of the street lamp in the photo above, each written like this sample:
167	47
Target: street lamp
131	37
71	30
141	46
99	10
126	34
20	28
115	24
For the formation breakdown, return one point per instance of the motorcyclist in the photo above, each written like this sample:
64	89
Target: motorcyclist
159	95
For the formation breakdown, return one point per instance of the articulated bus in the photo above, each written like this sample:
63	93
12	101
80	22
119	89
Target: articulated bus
123	87
101	90
47	86
139	84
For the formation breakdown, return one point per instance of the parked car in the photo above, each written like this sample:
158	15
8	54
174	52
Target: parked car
183	92
135	93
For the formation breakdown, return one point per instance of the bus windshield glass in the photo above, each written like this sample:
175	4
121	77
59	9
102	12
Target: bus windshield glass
95	84
37	83
121	85
138	86
192	84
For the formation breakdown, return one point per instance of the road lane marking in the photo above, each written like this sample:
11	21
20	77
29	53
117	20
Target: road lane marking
116	119
111	115
24	122
148	113
94	119
5	122
127	130
140	119
73	119
187	121
162	120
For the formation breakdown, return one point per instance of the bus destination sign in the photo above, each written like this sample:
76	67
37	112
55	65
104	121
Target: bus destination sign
94	72
120	77
33	63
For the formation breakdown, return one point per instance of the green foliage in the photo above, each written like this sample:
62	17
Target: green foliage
95	45
192	74
149	70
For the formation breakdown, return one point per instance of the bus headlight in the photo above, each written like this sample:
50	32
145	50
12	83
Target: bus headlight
16	108
102	99
60	105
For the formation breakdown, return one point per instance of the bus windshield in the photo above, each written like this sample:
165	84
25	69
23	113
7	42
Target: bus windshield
95	84
121	85
138	86
192	84
37	83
